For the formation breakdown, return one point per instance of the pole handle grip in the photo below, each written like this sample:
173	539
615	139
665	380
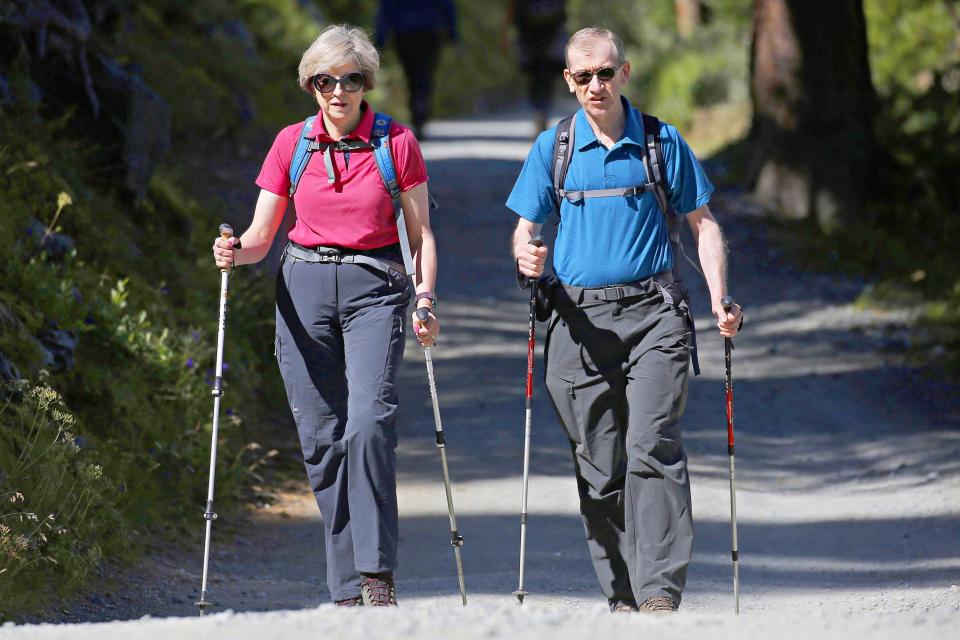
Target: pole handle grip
727	303
226	232
422	314
536	241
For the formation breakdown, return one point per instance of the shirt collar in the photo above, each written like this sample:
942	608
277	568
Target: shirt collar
632	130
362	132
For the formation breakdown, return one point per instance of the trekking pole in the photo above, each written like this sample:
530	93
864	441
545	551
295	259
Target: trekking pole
727	303
531	329
226	231
455	538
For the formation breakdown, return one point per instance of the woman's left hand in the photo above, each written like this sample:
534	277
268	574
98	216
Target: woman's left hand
427	330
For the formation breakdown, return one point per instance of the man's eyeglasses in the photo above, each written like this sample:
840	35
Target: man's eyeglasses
326	83
584	78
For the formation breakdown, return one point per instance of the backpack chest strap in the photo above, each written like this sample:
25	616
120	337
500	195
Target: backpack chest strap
625	192
328	149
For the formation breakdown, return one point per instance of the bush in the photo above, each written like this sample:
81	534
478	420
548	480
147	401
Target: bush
57	508
120	280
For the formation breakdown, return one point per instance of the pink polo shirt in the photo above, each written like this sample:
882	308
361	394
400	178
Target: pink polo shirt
354	211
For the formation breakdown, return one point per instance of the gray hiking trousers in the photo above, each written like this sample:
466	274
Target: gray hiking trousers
617	362
339	343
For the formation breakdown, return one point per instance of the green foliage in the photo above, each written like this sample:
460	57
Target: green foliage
138	391
230	59
57	508
915	60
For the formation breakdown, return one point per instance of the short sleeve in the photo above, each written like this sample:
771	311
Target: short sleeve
532	197
690	187
275	172
407	158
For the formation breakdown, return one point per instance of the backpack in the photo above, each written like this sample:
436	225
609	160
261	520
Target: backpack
379	144
653	164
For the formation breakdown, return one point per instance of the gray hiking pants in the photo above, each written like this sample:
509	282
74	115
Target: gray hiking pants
616	372
339	343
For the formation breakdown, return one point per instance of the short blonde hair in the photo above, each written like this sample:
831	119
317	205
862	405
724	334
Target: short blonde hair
581	41
336	45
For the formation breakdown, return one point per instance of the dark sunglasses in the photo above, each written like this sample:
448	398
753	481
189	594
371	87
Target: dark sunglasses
326	83
584	78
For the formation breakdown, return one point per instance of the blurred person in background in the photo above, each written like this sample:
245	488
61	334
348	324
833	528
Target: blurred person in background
541	32
418	29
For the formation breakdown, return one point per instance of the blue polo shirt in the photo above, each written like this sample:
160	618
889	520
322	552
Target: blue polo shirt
604	241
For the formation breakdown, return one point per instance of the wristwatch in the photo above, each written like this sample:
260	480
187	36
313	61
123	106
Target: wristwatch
429	296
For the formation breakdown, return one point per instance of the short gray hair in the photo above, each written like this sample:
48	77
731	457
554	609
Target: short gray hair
336	45
581	41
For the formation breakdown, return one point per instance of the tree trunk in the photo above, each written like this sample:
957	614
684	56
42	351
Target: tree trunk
688	17
814	107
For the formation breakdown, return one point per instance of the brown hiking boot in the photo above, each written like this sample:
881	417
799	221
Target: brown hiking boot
378	591
350	602
658	604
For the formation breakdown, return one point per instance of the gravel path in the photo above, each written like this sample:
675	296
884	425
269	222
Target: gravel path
848	466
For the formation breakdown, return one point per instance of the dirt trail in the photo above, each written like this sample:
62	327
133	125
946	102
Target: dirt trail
848	466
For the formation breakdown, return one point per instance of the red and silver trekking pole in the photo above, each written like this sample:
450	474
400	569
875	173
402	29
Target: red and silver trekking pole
455	538
727	303
531	341
226	232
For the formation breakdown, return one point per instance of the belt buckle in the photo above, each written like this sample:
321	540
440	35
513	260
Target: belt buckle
612	294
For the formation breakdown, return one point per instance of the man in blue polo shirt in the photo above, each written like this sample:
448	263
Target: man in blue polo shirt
619	337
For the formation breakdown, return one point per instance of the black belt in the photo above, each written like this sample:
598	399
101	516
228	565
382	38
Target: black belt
342	255
615	292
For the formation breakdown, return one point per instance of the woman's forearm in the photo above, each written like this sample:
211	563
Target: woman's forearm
426	261
257	239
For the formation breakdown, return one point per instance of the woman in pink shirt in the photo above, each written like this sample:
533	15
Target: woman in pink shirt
342	295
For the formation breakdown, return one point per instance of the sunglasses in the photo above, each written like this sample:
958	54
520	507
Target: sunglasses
583	78
326	83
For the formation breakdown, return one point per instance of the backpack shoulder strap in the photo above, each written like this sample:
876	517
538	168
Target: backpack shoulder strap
654	161
562	145
301	155
656	166
380	139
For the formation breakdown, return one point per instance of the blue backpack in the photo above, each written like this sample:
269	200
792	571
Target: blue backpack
307	145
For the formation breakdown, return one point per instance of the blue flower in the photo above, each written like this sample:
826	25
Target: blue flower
189	363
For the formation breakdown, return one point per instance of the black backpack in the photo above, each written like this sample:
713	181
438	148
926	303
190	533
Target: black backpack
654	165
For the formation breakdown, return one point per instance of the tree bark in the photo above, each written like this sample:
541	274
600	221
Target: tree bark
814	106
688	17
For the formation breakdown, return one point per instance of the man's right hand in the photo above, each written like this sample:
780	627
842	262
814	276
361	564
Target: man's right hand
530	259
223	252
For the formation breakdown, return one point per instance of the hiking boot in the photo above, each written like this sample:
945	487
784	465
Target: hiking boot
658	604
356	601
378	591
622	606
